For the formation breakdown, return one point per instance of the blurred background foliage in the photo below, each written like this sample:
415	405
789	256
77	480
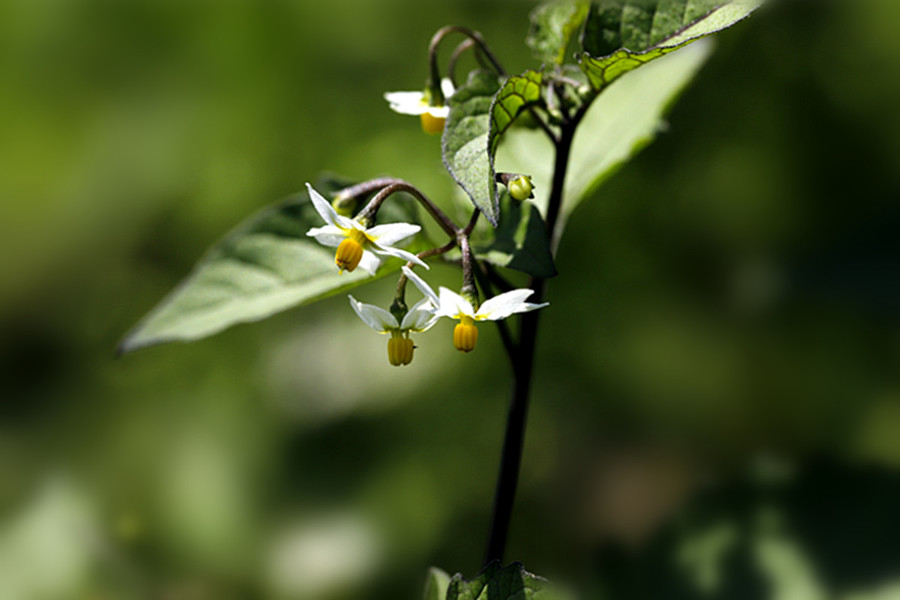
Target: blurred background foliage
717	403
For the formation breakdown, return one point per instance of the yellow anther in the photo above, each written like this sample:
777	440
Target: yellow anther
400	350
348	255
432	124
350	251
465	335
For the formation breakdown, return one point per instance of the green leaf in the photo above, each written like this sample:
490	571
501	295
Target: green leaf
552	26
520	241
518	94
622	35
266	265
436	583
620	122
512	582
465	141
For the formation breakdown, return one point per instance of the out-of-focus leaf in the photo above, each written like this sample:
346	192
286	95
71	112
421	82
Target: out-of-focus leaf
520	241
512	582
266	265
620	122
517	94
465	141
436	583
621	35
552	26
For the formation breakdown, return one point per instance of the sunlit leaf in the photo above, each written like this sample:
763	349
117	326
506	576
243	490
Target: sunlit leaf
465	141
512	582
520	240
518	94
436	583
621	35
620	122
266	265
552	27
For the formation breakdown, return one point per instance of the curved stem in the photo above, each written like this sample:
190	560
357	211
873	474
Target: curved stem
454	58
436	40
398	185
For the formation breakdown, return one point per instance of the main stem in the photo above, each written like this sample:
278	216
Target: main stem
523	362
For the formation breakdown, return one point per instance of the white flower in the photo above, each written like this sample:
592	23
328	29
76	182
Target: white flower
356	244
465	334
419	318
418	103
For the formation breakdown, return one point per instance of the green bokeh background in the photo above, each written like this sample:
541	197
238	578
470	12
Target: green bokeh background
729	298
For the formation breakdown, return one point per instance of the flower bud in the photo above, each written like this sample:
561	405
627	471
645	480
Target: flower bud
344	205
521	188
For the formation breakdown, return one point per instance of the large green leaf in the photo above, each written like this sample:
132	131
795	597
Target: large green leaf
512	582
620	122
552	27
465	141
621	35
520	240
266	265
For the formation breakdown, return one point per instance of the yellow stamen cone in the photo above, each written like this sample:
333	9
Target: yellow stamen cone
465	335
350	251
400	351
432	124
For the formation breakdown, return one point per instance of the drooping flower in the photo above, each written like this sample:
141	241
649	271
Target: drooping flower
432	113
465	334
358	245
400	348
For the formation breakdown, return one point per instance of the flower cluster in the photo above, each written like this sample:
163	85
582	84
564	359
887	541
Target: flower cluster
432	307
359	245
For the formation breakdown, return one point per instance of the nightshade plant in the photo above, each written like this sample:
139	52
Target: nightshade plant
557	131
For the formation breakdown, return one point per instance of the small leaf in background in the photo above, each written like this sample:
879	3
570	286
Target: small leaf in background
518	94
620	122
436	583
520	240
512	582
266	265
621	35
552	26
465	141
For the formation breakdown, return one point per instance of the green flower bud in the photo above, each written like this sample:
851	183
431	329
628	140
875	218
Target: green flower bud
521	188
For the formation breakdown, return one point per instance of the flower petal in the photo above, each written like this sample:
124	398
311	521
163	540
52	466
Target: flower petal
504	305
369	262
423	287
420	317
391	234
407	103
322	206
374	316
397	252
453	305
447	87
328	235
441	112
